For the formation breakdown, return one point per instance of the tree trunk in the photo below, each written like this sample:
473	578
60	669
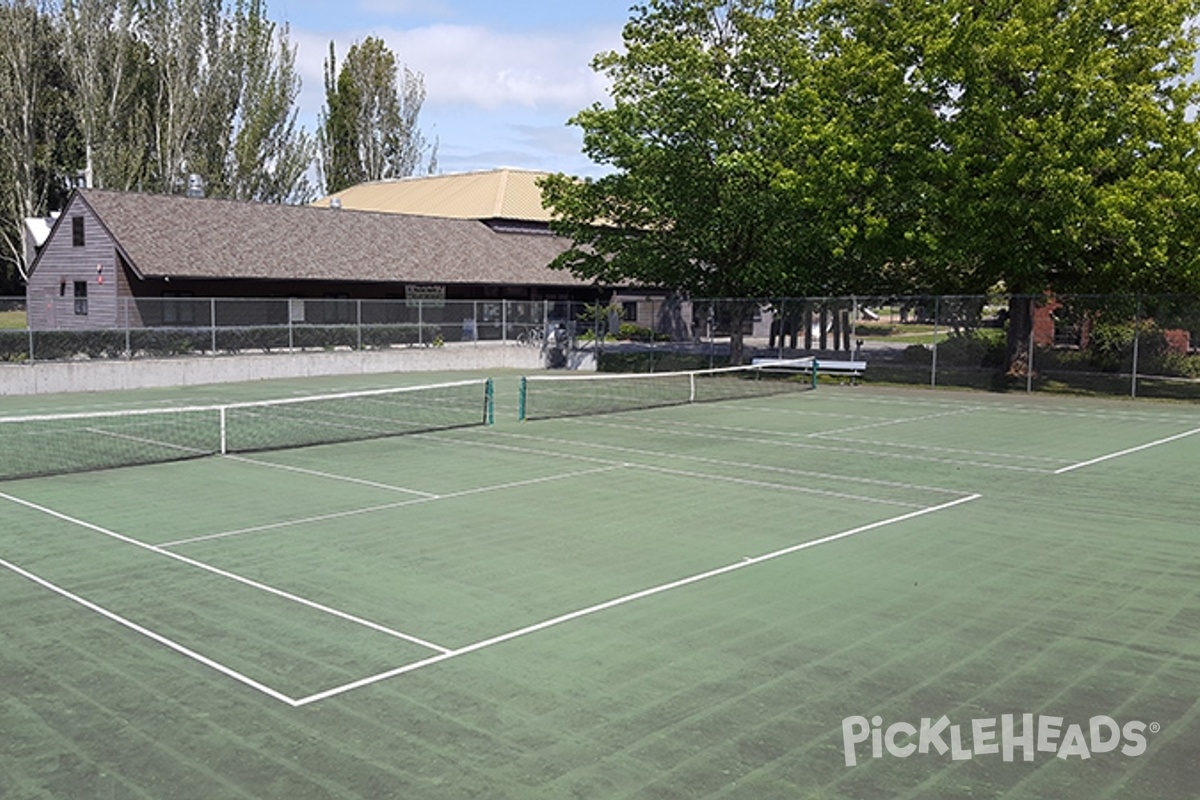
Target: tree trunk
1020	326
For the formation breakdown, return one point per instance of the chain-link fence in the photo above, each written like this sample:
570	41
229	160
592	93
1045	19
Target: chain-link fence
186	326
1114	345
1141	346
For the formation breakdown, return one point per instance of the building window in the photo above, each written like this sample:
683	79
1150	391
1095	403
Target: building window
81	307
339	309
629	311
77	231
179	308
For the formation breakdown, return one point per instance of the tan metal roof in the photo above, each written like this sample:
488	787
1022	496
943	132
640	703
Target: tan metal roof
492	194
177	236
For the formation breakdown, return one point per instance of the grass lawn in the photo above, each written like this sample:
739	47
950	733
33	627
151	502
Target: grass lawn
12	320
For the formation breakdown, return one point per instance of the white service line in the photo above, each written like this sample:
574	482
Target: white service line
809	444
893	422
678	457
229	575
353	512
331	476
1139	448
163	640
624	599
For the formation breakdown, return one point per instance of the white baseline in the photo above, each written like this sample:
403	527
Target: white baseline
1129	451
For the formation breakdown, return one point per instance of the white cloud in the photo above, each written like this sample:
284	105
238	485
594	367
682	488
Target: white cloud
492	98
486	69
477	67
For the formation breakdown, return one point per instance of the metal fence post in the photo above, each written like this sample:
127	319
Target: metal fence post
358	313
1137	334
212	322
1029	356
937	316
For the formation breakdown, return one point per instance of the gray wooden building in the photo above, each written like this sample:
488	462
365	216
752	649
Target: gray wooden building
120	259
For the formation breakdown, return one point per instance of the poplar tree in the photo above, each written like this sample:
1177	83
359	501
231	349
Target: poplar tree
369	127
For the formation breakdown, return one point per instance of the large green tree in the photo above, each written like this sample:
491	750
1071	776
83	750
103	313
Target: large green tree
37	129
139	94
111	82
369	127
693	202
266	157
841	146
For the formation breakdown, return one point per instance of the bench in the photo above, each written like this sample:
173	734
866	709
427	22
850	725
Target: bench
827	367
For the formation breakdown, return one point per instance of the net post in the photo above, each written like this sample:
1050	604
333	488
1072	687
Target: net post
489	413
691	386
521	402
815	366
224	445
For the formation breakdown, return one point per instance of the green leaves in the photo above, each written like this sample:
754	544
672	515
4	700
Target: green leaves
369	126
843	146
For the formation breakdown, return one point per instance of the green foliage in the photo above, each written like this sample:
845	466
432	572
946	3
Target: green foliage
369	127
638	333
976	349
138	94
37	128
851	146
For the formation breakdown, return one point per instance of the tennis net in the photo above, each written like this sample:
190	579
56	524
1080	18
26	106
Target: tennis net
549	396
54	444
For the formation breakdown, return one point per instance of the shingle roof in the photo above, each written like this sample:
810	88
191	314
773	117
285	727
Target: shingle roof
187	237
492	194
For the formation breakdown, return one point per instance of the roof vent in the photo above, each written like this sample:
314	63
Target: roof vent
335	203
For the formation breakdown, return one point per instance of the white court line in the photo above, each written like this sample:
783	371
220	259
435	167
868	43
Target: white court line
331	476
893	422
624	599
1007	407
680	457
934	449
835	435
1139	448
163	640
271	526
705	476
154	442
808	445
229	575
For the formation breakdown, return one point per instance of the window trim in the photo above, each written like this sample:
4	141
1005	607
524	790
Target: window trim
81	299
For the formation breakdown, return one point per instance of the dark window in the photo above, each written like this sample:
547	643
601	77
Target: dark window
81	308
629	311
77	231
339	309
177	309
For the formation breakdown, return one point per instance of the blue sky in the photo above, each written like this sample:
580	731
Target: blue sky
501	77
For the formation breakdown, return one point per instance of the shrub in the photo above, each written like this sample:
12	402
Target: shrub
976	349
918	354
1110	345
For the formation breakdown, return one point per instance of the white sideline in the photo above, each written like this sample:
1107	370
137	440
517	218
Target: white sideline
629	598
375	626
1129	451
163	640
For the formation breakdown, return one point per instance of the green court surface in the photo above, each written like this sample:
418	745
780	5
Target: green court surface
709	600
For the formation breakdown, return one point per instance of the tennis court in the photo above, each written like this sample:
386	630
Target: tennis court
678	601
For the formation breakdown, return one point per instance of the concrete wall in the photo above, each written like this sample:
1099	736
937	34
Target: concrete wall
97	376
